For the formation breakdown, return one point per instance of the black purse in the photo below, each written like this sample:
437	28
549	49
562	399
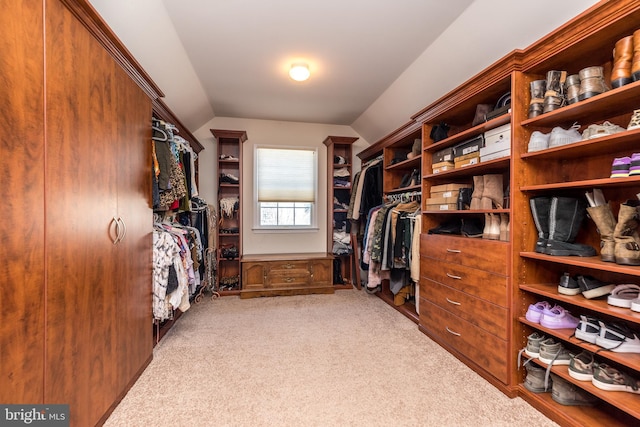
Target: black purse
439	132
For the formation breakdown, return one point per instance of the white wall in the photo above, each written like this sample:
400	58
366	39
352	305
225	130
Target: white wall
485	32
267	132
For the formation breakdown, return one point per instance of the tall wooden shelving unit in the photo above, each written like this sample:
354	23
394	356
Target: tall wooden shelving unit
229	228
340	147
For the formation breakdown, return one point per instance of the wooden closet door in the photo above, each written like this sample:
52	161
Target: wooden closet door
22	225
81	202
134	254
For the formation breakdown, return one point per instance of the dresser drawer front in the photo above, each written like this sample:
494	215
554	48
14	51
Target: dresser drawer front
286	278
478	283
484	349
486	255
489	317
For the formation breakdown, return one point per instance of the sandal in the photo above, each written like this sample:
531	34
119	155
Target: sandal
623	295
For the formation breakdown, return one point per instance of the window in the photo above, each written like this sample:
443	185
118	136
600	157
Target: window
285	187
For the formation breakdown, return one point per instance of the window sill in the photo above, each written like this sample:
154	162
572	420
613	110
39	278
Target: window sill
276	230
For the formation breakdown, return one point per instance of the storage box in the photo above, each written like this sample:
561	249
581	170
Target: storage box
442	200
503	145
469	146
499	134
495	155
468	161
438	194
448	187
443	207
444	155
443	166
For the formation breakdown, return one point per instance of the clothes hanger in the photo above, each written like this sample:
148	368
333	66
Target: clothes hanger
161	131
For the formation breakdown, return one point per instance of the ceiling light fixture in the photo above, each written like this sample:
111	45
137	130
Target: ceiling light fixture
299	72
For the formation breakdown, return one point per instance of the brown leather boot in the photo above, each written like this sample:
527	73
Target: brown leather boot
606	223
493	192
622	54
635	62
627	247
504	227
476	196
491	226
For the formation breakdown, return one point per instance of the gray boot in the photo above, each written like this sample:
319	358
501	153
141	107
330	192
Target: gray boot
625	235
606	223
540	207
565	218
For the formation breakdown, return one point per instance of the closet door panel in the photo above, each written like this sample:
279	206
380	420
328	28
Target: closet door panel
134	332
81	201
22	225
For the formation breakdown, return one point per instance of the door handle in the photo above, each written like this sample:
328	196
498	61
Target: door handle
124	229
451	276
117	239
452	332
454	251
453	302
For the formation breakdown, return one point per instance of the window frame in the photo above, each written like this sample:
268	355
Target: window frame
257	226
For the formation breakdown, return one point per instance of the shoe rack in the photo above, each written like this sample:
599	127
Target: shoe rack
570	171
229	227
340	160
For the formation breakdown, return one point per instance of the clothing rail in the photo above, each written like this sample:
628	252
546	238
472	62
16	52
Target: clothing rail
404	197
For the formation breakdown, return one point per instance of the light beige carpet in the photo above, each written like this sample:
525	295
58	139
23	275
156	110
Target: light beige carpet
346	359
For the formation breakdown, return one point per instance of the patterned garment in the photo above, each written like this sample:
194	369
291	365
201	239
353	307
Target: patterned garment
165	250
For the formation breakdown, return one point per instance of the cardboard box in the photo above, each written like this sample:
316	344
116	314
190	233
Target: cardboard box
448	187
443	166
442	200
444	207
494	148
495	155
498	135
444	155
444	194
469	146
466	156
468	161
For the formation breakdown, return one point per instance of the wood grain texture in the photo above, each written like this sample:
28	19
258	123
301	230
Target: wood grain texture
22	226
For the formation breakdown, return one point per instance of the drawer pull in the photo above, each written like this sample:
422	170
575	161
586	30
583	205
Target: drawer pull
451	276
288	279
453	302
454	251
451	332
288	266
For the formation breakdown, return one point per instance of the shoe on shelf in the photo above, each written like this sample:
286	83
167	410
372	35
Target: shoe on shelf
533	344
588	329
558	318
560	136
620	167
229	178
538	141
534	313
618	338
568	394
604	129
634	123
534	381
634	166
593	288
553	353
608	378
568	285
622	295
581	366
635	305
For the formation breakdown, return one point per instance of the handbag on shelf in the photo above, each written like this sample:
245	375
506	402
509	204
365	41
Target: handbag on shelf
229	251
439	132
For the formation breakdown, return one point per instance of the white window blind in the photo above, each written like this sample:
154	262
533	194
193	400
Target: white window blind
285	175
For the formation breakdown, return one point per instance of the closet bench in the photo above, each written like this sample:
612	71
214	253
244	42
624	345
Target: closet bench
286	274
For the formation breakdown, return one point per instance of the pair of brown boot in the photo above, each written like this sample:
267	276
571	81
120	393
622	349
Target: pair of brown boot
619	240
626	60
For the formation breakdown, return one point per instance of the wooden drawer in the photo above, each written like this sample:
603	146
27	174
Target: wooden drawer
489	317
478	283
482	348
488	255
286	278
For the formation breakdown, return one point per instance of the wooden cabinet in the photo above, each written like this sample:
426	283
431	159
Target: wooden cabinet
229	229
77	328
286	274
339	188
571	170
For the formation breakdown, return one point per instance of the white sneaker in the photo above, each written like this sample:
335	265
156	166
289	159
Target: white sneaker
561	136
618	338
538	141
596	131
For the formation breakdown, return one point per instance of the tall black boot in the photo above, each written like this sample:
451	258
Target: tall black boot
337	272
565	218
540	207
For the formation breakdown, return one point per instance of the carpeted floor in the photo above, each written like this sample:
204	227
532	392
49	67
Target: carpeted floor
346	359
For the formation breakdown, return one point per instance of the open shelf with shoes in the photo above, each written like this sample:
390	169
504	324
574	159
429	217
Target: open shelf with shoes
559	155
229	227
